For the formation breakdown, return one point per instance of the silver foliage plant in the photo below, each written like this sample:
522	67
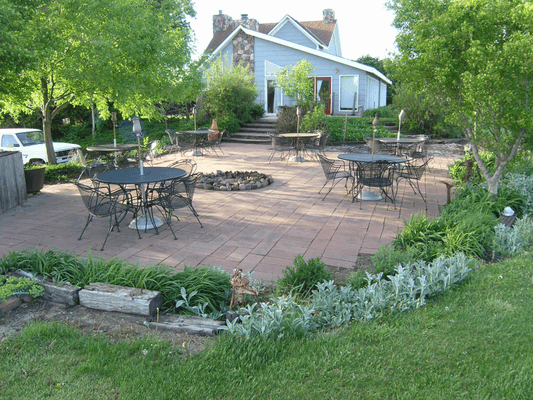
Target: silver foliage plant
333	305
509	241
523	184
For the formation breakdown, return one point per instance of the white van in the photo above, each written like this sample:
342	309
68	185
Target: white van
30	142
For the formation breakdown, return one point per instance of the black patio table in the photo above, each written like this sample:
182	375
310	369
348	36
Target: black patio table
299	141
197	140
132	176
362	160
112	148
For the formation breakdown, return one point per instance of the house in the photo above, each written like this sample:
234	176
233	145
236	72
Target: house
343	85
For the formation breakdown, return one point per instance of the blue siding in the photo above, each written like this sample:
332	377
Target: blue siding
284	56
292	34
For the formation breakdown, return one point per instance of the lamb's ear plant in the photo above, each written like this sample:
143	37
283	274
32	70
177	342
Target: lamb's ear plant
331	305
513	240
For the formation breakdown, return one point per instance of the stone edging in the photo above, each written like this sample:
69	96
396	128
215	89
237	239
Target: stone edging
233	181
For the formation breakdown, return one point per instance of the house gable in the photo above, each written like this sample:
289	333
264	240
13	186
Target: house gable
265	48
292	31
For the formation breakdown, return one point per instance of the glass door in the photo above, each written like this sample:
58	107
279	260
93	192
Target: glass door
273	97
322	92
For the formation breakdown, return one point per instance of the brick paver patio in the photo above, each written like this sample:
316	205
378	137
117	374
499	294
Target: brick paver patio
258	230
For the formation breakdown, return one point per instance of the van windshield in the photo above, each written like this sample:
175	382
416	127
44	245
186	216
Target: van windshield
31	138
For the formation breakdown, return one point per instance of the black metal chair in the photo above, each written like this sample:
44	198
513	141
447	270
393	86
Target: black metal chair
318	145
377	174
186	142
335	171
413	171
177	195
280	145
101	202
185	164
173	146
213	142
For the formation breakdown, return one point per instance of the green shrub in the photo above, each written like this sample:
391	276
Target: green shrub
458	171
211	284
387	258
14	286
356	129
315	120
62	172
230	94
304	276
287	119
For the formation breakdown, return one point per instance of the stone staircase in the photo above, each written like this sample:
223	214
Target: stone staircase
254	132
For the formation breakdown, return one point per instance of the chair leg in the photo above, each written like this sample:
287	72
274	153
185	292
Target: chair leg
89	219
195	214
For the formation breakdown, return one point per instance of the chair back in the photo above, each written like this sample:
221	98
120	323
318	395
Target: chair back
328	166
97	202
414	169
375	174
180	192
187	164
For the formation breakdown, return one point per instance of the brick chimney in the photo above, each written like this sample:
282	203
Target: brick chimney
329	16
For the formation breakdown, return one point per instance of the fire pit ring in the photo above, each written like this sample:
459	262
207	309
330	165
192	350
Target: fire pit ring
233	180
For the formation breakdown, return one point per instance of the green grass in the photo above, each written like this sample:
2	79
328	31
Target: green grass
472	342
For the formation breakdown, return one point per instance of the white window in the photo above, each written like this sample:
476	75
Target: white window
349	88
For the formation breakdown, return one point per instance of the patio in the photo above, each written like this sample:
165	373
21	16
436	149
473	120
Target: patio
256	230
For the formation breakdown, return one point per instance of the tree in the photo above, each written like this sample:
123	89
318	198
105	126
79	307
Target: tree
14	56
474	57
295	82
129	52
230	94
372	62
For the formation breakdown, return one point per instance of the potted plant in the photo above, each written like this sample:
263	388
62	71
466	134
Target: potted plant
34	175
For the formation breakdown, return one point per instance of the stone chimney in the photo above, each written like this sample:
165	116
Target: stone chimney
329	16
221	22
249	23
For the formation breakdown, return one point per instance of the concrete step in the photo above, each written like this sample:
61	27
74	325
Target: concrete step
254	132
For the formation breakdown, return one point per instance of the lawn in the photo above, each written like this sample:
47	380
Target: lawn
471	342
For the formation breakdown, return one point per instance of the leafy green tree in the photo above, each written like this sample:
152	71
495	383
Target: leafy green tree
14	55
474	57
372	62
230	94
295	82
132	53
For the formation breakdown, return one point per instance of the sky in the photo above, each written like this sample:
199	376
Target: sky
364	25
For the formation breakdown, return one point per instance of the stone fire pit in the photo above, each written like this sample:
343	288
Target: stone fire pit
229	180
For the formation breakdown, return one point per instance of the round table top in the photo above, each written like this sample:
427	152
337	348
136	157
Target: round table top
111	148
132	176
299	135
401	140
366	157
201	132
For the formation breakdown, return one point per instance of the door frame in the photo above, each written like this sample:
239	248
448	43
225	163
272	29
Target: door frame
323	78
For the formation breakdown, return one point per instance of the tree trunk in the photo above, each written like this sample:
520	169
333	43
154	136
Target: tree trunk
47	123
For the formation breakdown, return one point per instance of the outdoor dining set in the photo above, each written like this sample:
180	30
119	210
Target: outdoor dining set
115	190
390	160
